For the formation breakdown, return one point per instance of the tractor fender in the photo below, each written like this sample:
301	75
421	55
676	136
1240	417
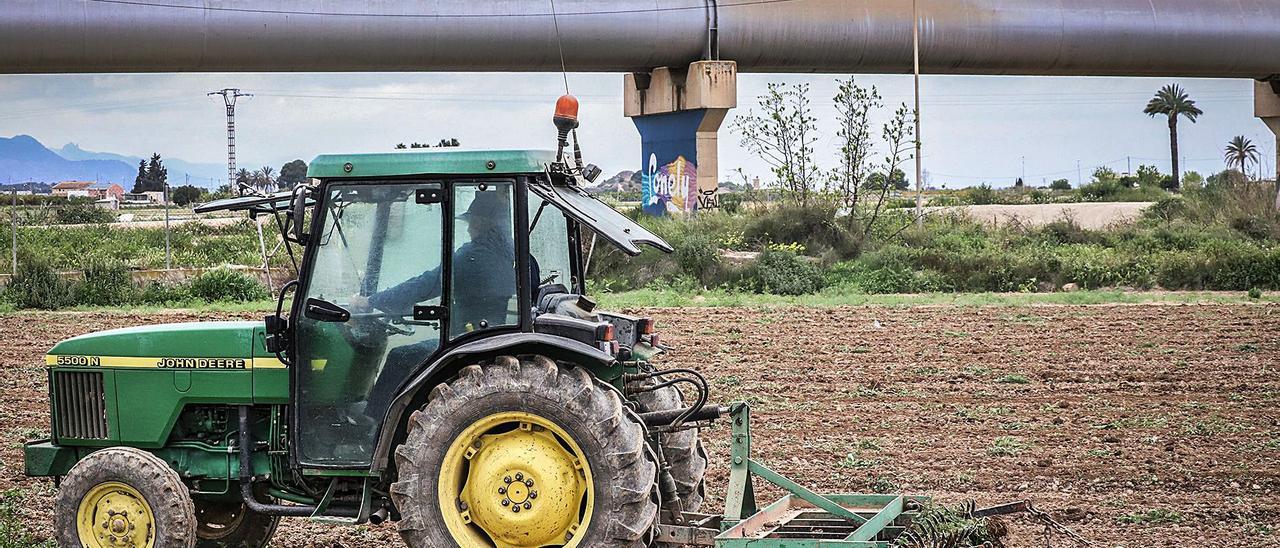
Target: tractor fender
426	378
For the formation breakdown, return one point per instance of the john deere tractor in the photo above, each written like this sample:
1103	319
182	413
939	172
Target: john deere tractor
438	366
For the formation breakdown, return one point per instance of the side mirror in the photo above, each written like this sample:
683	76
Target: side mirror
298	214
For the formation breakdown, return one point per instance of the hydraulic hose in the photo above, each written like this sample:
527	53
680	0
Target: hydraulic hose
245	442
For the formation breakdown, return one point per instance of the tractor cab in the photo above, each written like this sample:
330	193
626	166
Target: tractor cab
412	255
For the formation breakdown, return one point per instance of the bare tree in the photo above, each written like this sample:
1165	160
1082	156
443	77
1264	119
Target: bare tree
854	104
783	136
897	134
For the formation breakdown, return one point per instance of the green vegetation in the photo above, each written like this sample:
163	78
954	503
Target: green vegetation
194	245
937	525
106	284
1222	236
1014	379
1007	446
13	530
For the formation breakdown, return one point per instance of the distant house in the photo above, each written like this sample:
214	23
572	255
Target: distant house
106	191
135	199
73	188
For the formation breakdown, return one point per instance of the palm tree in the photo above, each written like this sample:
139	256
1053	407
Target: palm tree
1240	152
266	178
1173	101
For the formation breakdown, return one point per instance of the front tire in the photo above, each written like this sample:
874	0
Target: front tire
122	496
525	453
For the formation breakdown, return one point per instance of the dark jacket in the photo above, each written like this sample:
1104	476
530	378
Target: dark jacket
484	286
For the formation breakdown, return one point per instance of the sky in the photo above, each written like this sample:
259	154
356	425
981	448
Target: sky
976	129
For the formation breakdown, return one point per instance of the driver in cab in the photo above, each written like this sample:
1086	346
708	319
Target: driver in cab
484	284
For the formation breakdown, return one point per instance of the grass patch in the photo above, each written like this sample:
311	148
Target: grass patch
1014	379
855	461
1007	446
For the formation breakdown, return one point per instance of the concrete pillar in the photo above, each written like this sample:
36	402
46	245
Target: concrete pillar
1266	106
678	113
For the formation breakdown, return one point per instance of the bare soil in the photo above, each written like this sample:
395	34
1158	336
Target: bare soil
1135	425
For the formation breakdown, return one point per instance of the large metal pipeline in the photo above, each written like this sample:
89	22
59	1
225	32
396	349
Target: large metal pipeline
1223	38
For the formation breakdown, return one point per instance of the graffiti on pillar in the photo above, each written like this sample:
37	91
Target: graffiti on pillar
708	199
670	189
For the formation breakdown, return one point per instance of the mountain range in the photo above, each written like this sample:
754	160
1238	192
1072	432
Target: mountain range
23	158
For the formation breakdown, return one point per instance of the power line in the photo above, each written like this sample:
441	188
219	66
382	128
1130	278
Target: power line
700	7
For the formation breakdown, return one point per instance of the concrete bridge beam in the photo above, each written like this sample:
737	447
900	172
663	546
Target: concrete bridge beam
1266	106
678	113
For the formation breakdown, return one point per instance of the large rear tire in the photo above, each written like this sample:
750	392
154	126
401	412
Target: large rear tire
682	450
123	496
525	453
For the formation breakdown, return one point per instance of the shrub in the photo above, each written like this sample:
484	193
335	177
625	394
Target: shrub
1167	209
1065	231
106	283
37	285
785	273
224	284
75	213
698	257
982	194
1253	226
815	227
161	293
1060	184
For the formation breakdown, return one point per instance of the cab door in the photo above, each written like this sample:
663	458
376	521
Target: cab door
368	313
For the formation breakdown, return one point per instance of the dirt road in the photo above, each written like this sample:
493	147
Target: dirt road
1089	215
1137	425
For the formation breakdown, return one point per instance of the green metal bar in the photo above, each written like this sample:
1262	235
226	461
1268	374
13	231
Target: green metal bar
878	522
804	493
740	500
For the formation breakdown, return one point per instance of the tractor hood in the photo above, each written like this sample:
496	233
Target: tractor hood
233	341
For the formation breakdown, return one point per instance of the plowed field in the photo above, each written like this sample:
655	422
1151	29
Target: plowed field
1136	425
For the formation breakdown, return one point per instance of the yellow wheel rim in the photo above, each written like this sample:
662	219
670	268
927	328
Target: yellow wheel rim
515	480
115	515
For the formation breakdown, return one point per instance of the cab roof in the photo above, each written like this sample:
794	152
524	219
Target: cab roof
430	162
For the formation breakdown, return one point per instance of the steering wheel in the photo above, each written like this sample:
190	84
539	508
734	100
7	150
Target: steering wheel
384	320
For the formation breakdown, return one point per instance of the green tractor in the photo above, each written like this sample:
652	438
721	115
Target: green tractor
438	366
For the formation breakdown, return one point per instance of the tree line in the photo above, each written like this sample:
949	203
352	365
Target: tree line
153	176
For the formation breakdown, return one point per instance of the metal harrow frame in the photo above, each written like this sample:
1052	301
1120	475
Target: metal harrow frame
801	519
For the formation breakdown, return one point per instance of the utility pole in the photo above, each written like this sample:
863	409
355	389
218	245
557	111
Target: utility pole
1079	175
229	96
1128	165
13	216
168	253
915	51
